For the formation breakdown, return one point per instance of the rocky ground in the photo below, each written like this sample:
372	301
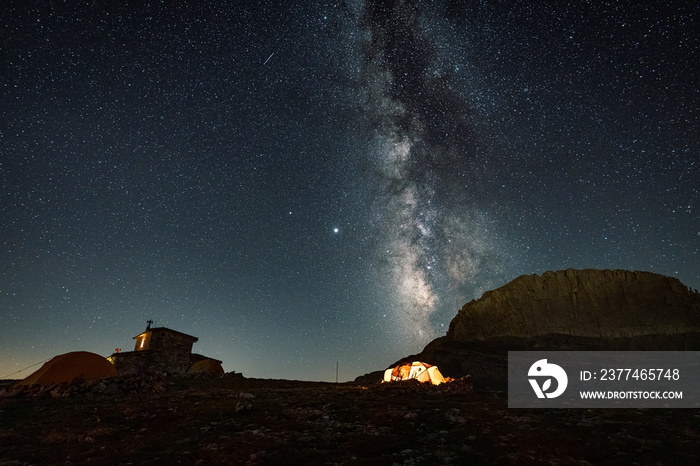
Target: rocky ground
234	420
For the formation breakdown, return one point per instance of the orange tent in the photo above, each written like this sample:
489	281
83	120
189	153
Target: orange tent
208	366
66	367
416	370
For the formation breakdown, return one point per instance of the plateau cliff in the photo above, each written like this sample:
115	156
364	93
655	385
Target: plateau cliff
566	310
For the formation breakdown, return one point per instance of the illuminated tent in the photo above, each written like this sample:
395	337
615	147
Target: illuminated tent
66	367
416	370
207	366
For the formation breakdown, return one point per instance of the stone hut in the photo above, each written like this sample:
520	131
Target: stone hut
164	350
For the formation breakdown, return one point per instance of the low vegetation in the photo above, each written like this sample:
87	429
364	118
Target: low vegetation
234	420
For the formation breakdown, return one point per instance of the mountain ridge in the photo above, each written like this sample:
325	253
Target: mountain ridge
574	310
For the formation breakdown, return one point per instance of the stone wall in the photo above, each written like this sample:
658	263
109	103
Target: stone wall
170	361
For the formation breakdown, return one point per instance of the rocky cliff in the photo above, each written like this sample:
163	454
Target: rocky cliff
585	303
567	310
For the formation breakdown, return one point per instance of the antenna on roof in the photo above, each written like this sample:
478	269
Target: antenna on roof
149	322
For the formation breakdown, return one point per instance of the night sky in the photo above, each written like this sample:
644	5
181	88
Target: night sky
300	184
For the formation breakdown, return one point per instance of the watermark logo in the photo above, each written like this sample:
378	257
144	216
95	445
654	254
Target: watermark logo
546	372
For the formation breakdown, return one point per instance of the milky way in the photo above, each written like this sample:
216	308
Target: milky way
423	145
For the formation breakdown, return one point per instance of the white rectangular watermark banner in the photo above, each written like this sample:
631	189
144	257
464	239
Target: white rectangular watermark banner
604	379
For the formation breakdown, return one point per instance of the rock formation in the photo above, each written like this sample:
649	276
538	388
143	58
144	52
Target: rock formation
566	310
606	304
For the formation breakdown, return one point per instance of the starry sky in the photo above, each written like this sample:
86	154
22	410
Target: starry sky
305	184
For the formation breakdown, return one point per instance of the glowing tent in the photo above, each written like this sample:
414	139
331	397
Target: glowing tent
416	370
66	367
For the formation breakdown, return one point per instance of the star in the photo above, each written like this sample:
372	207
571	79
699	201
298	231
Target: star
143	177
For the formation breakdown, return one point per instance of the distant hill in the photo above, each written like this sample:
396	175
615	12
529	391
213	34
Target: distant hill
567	310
